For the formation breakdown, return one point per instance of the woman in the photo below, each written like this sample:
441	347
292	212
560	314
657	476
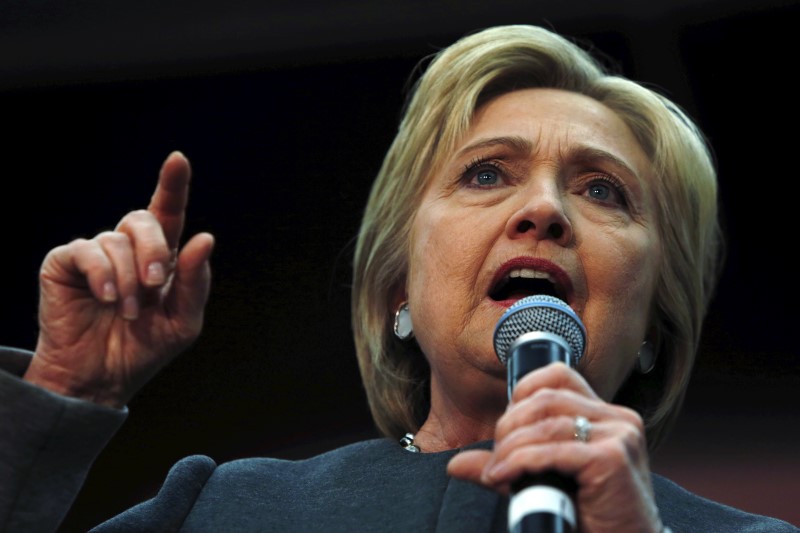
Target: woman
519	167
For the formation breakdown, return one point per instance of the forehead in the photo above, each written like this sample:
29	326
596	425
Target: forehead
557	120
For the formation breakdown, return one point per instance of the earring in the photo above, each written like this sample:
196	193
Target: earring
646	358
403	329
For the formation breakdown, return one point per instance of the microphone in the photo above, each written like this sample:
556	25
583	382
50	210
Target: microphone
534	332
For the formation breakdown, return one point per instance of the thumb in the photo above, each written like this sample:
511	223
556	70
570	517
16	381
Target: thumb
469	465
192	281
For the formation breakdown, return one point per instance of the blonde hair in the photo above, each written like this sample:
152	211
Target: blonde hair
460	79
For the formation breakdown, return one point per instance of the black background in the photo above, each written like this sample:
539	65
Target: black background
285	112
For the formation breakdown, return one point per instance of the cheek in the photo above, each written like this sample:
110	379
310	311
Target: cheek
446	258
429	281
427	259
627	260
621	281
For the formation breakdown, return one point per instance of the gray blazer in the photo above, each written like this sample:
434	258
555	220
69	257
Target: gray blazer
49	442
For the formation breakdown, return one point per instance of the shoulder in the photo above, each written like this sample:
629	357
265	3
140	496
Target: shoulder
359	470
14	360
331	463
683	510
345	487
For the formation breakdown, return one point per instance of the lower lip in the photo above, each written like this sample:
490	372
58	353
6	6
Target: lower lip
508	302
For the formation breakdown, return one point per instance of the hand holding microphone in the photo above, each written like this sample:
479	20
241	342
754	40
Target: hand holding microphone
532	333
558	473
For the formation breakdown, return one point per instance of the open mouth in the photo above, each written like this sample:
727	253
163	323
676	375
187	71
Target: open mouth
521	282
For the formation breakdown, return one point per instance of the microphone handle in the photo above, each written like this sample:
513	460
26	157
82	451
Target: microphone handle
541	503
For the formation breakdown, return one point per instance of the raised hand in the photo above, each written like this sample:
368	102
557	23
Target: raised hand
537	434
116	308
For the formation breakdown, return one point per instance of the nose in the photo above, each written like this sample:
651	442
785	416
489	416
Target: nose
541	215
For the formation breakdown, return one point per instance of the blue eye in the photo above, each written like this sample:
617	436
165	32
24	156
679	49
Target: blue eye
483	174
607	192
486	177
599	191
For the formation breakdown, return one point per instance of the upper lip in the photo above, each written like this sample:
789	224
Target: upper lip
537	268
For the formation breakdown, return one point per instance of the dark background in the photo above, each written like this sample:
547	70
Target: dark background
285	110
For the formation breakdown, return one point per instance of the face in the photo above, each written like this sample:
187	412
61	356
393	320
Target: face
548	192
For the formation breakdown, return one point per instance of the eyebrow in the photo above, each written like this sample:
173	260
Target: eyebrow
588	153
518	144
523	145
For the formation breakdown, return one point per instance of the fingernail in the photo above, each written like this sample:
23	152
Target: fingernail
109	292
155	274
495	472
130	308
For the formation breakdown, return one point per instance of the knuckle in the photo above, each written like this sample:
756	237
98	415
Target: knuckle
135	217
561	371
83	250
139	214
550	427
632	417
113	238
632	436
545	397
76	245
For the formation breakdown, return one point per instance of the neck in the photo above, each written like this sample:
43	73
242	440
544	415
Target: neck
461	418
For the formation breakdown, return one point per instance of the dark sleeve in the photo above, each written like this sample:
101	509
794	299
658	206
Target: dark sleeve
167	511
48	443
685	512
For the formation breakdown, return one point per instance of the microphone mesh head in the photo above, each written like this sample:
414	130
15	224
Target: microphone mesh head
539	312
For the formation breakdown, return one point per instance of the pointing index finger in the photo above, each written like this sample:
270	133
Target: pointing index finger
171	196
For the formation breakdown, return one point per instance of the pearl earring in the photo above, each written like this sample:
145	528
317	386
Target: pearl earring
403	328
646	358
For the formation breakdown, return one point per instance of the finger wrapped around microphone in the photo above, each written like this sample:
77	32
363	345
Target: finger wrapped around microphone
529	443
556	431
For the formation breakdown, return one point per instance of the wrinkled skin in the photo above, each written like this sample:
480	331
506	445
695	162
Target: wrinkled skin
116	308
553	182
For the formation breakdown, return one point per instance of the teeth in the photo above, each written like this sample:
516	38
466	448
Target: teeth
529	273
523	273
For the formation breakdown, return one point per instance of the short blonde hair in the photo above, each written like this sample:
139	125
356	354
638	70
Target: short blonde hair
460	79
